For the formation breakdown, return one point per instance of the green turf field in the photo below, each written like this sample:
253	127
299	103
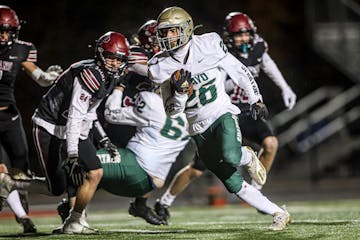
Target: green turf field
311	220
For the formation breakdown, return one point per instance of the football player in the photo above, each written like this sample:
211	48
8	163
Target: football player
145	162
155	146
252	50
15	55
190	61
246	45
64	118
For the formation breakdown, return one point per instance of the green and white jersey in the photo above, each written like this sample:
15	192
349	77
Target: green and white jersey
158	139
208	60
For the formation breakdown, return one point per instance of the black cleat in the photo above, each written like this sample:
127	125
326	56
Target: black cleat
28	225
63	209
162	210
146	213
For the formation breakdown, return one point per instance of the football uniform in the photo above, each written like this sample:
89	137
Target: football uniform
121	134
157	142
133	83
211	115
256	59
64	118
11	128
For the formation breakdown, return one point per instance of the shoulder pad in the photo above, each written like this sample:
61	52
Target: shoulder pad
23	43
136	48
209	41
260	42
158	57
91	78
137	55
210	49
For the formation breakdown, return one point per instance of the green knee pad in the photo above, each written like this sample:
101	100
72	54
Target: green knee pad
229	176
233	184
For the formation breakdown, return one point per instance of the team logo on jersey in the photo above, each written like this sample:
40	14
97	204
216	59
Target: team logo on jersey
202	77
128	101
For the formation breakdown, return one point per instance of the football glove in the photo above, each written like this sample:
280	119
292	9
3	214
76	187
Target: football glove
289	98
54	68
110	148
74	171
259	111
181	80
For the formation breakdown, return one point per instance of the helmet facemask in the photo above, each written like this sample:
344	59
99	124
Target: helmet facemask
107	61
112	51
244	46
173	42
237	23
9	22
175	28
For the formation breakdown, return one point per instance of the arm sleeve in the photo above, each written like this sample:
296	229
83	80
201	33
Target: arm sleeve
271	69
229	85
130	115
241	76
113	102
32	55
79	105
176	104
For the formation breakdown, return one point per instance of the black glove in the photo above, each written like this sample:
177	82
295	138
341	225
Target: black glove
181	80
259	111
74	171
110	148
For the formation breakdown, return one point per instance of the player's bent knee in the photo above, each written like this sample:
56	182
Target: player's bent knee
95	175
158	182
270	144
57	189
3	168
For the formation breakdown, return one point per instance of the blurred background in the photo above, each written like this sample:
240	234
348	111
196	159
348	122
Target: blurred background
316	45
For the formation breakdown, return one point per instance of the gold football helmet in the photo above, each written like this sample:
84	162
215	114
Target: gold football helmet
175	28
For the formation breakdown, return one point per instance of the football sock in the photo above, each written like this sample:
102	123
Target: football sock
74	216
167	199
255	185
140	201
14	203
256	199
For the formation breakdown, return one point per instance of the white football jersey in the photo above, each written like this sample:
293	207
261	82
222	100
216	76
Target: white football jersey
208	60
158	139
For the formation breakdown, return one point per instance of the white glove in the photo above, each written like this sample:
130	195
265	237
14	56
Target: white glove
54	68
289	98
47	78
51	74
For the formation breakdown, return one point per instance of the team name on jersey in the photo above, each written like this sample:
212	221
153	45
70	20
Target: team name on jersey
106	158
6	65
202	77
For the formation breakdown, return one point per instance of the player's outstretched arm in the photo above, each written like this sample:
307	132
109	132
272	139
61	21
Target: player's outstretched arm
270	68
44	79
